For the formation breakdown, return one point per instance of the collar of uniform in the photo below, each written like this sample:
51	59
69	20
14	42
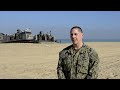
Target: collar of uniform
71	50
81	49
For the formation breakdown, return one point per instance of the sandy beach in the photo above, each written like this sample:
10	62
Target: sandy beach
39	61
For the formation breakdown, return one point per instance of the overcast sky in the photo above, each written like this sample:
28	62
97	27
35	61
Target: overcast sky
95	24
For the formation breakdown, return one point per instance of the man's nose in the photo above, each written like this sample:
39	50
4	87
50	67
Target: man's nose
73	36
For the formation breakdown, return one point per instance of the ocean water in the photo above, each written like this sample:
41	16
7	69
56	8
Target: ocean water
90	40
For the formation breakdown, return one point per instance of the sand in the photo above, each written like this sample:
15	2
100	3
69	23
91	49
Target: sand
39	61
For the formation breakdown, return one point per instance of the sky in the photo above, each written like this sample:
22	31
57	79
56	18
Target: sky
95	24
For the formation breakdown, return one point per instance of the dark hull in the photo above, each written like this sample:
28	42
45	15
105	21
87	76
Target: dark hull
26	41
19	41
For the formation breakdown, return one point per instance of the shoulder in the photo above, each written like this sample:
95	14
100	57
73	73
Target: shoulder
93	55
90	50
62	52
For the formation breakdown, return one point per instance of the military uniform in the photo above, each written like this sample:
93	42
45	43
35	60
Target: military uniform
78	64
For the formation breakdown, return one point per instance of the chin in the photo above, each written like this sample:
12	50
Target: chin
74	43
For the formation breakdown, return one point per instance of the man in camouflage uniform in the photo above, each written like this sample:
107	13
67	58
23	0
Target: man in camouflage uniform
77	61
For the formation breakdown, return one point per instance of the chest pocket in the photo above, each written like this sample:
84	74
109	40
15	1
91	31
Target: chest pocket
83	63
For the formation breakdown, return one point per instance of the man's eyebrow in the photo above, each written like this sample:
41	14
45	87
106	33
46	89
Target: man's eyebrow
73	33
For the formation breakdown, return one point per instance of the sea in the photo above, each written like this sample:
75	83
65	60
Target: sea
89	40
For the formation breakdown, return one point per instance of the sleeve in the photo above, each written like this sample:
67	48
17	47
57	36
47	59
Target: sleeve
93	65
60	72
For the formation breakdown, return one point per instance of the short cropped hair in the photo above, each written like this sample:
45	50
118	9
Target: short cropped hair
79	28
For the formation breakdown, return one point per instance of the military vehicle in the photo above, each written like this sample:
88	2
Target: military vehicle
26	36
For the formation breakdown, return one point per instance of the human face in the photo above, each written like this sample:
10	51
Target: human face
76	36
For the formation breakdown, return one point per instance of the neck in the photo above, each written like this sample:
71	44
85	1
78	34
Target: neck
78	46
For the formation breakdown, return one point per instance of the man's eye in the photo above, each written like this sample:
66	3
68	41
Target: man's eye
75	34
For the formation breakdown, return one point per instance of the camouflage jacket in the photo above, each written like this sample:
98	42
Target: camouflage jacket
82	64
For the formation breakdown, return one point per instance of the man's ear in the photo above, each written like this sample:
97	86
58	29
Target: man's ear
82	34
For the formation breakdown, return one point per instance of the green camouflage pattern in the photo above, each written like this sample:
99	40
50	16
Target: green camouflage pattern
81	64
